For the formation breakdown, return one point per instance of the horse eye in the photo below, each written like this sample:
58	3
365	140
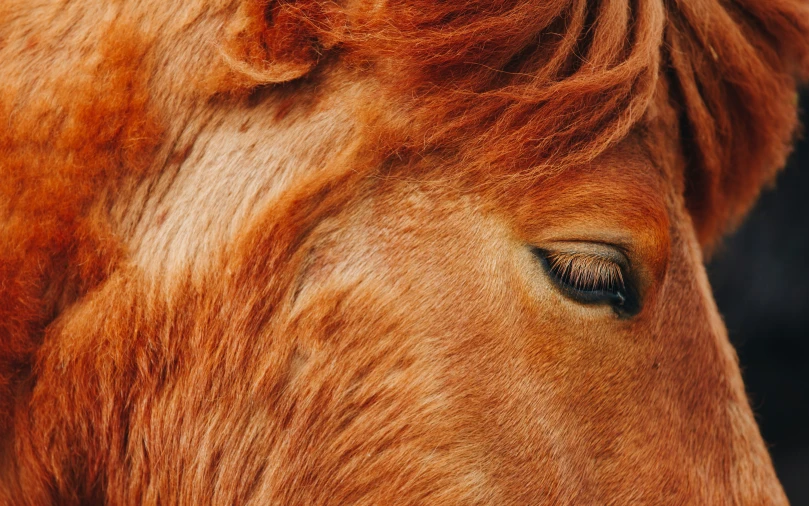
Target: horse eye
588	278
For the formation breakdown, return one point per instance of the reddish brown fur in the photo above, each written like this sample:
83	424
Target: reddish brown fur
376	332
56	158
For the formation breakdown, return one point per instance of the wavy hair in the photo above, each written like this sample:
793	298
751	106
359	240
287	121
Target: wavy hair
515	84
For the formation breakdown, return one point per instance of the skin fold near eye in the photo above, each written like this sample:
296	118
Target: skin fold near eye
591	276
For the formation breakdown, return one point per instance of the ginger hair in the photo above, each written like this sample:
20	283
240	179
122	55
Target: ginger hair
505	87
545	85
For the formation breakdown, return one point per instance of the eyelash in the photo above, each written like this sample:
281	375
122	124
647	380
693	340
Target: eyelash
588	278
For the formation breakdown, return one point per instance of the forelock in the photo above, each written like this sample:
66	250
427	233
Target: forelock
519	87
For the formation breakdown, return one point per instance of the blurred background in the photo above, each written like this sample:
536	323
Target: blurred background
760	278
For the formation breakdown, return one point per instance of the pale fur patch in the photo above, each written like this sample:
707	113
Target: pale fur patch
231	168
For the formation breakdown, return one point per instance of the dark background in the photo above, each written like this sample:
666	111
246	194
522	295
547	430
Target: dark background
760	278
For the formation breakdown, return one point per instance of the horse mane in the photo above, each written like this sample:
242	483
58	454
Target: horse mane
514	84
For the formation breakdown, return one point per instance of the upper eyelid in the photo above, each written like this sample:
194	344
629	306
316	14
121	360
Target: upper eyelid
609	252
570	264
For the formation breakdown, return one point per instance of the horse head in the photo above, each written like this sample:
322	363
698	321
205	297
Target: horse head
402	252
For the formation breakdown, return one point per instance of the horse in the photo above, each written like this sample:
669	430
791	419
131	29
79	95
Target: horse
381	252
